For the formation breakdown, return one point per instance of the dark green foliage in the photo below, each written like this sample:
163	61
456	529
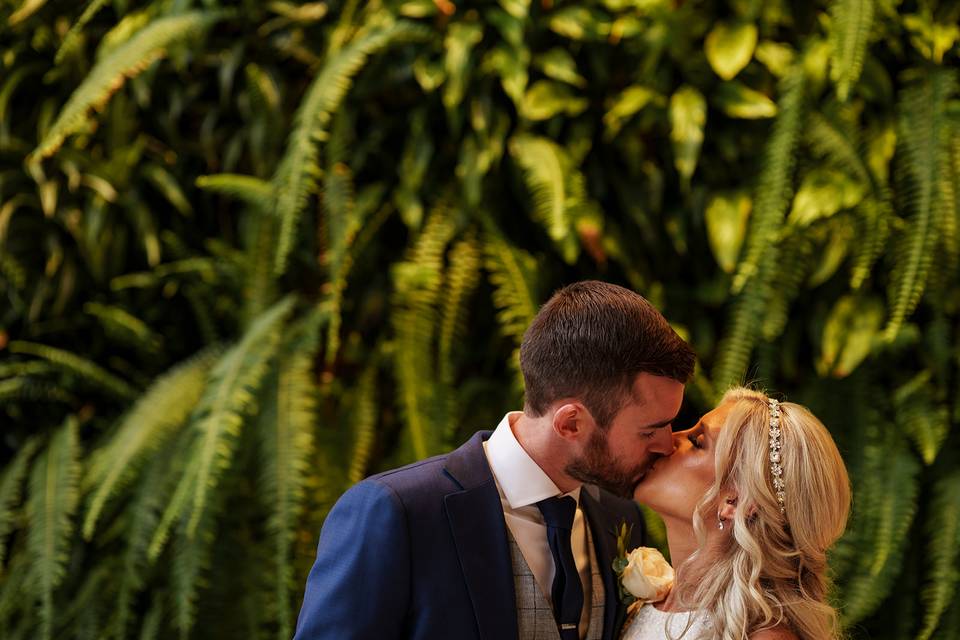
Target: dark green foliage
253	252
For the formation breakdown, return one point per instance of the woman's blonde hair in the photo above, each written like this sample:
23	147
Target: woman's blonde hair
772	569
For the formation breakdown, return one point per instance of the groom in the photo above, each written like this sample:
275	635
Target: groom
512	536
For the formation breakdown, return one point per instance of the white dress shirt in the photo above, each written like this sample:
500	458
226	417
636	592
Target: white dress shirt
522	483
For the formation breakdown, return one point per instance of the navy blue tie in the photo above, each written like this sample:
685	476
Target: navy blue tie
567	592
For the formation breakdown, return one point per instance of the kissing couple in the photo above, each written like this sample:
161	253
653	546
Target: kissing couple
514	535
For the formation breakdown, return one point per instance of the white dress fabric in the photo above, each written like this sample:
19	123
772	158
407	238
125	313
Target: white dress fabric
652	624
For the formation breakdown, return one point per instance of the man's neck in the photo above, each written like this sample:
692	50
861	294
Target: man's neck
539	442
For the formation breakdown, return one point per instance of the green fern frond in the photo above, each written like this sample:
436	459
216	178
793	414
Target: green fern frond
363	424
883	512
153	488
794	267
295	177
11	490
109	74
260	286
54	495
923	139
835	140
30	389
203	267
229	396
547	170
418	284
168	186
948	209
203	315
541	161
12	589
345	240
873	229
849	36
515	288
88	601
177	504
943	531
949	626
921	417
253	191
740	336
462	278
774	184
124	326
20	368
759	266
189	564
72	40
86	370
341	222
513	274
285	430
150	629
156	416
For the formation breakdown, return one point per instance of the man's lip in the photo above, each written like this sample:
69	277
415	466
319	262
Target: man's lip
649	470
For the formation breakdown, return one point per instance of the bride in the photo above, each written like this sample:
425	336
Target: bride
752	499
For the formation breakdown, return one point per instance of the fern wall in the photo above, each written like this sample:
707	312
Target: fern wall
252	252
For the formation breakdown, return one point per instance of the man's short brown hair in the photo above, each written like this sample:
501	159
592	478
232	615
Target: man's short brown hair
590	341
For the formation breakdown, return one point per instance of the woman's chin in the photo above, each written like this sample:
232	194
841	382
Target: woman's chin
643	495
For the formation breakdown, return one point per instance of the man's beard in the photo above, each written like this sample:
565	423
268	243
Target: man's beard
598	466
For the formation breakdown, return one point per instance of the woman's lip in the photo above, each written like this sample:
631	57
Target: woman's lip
652	466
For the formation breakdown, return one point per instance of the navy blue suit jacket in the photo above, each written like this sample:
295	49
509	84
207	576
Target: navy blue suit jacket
421	553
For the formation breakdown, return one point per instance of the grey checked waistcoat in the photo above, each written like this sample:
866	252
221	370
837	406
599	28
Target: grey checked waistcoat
534	616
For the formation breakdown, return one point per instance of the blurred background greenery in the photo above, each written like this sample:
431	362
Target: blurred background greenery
251	252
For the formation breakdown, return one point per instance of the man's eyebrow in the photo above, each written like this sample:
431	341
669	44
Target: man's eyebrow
661	424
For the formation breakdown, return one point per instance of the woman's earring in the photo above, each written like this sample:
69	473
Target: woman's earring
719	522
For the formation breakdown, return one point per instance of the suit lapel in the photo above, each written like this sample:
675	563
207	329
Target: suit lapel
604	534
480	535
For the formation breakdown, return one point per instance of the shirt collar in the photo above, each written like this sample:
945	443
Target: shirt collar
521	480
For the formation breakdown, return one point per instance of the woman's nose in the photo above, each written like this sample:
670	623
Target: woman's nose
679	437
663	442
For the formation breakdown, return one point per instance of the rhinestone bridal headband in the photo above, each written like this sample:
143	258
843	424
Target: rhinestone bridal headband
775	445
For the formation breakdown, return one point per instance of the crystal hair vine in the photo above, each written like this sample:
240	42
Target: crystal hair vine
776	444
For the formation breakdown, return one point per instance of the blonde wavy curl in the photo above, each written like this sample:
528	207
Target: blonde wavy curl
772	571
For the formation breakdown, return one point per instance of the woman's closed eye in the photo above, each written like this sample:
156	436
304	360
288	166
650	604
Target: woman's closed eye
694	439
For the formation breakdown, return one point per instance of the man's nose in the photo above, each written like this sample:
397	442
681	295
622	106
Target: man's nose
663	442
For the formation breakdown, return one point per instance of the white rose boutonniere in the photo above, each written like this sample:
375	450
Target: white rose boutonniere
643	574
647	576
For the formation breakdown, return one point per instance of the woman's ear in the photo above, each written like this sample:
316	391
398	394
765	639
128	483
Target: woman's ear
728	508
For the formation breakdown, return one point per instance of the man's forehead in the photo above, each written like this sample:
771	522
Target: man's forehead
649	388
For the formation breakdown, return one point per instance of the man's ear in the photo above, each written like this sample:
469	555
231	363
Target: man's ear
571	421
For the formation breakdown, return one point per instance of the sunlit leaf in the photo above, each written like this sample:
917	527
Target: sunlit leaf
849	335
726	216
688	116
546	99
729	47
740	101
822	193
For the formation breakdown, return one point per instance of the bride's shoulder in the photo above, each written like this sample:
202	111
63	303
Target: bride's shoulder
776	633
